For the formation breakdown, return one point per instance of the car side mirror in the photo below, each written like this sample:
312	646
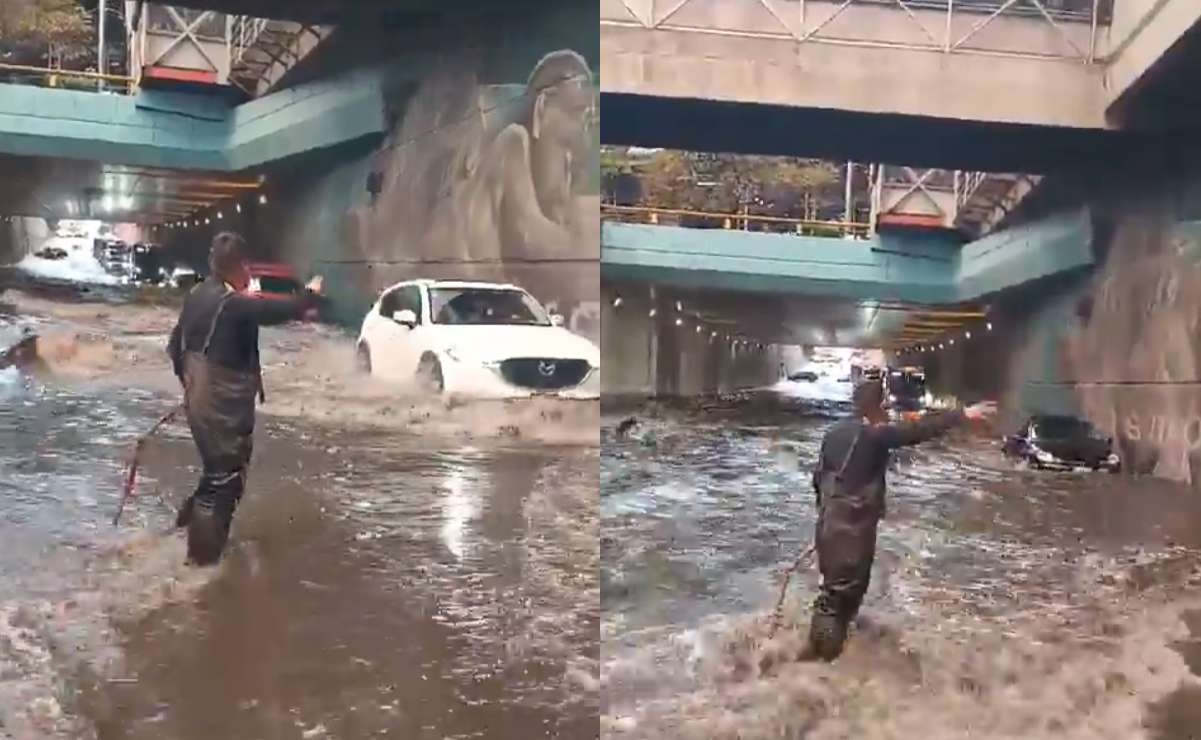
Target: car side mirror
556	319
406	317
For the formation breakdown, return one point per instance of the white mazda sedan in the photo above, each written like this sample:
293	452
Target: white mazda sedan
475	340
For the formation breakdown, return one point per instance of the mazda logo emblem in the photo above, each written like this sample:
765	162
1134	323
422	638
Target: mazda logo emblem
546	368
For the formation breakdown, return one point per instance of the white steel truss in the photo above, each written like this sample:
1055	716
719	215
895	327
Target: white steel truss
950	39
972	202
251	53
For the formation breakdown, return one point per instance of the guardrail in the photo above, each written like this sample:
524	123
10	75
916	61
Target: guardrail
735	221
66	78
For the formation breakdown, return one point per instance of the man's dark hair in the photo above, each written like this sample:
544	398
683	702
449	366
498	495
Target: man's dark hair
867	396
226	253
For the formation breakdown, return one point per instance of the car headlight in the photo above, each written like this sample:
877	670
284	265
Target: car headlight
928	398
892	397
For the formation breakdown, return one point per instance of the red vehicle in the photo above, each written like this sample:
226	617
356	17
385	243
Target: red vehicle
273	281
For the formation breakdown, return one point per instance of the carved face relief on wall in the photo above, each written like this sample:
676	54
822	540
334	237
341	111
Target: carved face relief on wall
491	182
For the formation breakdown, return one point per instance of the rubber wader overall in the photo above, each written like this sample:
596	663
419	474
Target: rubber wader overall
220	408
846	546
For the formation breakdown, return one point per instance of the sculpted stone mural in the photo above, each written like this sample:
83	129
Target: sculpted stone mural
491	182
1134	354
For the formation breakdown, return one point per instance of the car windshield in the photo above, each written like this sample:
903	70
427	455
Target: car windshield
1062	427
267	284
905	383
486	306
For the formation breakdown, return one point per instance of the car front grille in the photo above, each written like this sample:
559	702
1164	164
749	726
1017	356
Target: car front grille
544	373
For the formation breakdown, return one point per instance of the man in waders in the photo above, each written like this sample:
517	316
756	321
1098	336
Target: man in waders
849	481
215	352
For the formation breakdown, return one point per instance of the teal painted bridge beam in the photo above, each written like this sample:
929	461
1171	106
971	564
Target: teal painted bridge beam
928	269
189	131
1051	246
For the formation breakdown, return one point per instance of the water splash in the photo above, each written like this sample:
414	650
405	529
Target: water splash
1004	603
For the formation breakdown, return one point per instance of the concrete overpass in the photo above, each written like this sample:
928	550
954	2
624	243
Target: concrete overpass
70	152
927	270
218	95
354	155
998	85
728	301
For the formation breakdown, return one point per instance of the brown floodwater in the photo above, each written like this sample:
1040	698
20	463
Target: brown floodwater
397	570
1005	602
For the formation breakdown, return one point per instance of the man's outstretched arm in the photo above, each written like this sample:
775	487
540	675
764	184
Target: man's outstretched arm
270	312
910	433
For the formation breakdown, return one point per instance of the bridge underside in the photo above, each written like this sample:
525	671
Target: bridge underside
178	130
81	189
881	62
717	315
791	289
1167	96
751	128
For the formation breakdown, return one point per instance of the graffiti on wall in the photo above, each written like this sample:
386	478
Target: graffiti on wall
1133	349
490	182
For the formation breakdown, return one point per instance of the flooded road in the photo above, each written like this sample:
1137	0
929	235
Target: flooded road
396	569
1004	603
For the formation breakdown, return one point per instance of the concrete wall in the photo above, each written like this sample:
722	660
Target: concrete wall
1141	32
1120	345
19	236
1016	362
647	356
749	53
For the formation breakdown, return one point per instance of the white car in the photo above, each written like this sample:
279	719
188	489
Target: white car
475	340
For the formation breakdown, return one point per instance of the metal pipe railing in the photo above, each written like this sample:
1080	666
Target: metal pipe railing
801	224
125	81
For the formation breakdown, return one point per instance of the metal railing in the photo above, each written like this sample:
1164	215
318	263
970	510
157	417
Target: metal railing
1074	11
948	38
221	44
734	221
966	185
244	32
65	78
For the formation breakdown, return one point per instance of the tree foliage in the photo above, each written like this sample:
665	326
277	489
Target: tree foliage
57	30
727	183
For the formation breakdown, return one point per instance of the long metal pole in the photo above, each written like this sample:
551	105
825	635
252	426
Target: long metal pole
946	44
846	217
100	57
1092	37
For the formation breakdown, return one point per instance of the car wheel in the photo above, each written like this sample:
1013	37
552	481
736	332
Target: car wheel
363	359
429	375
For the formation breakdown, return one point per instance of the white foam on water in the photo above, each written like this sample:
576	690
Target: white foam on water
825	388
79	265
1085	670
